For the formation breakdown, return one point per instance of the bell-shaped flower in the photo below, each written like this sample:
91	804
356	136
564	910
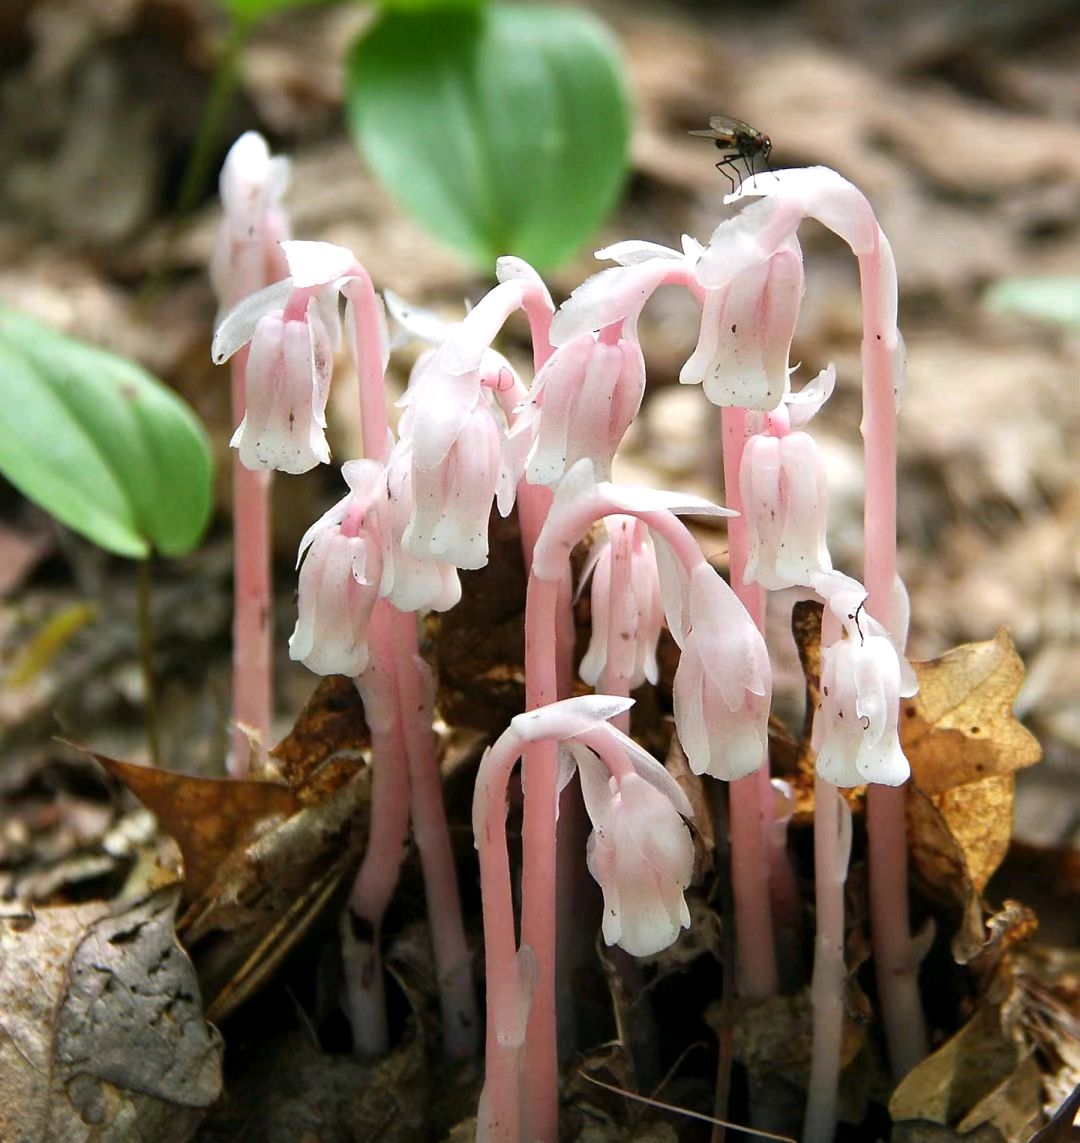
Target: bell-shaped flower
287	384
627	611
410	582
723	683
640	853
246	255
746	329
855	727
581	404
863	677
453	498
785	504
339	580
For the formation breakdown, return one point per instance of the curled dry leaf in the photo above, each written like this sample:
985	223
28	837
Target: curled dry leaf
964	744
208	818
262	860
981	1083
960	728
102	1035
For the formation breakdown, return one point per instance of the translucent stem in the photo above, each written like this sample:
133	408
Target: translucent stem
895	960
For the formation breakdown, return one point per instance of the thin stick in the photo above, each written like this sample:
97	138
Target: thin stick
146	662
685	1111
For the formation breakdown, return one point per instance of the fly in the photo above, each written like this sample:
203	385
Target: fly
737	140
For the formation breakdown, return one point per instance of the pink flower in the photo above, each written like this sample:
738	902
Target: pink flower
287	384
723	684
785	503
452	500
746	329
581	404
863	677
339	581
619	293
246	254
640	853
635	614
410	582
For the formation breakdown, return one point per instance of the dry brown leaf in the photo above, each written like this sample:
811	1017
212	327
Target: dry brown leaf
267	894
102	1036
964	1071
964	744
331	724
960	727
208	818
262	860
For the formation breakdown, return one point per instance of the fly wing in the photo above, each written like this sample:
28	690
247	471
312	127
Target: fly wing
727	130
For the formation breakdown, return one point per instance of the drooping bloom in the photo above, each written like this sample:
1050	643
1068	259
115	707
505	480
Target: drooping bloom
457	436
863	678
723	684
452	500
294	331
287	385
339	580
640	853
581	404
626	622
746	329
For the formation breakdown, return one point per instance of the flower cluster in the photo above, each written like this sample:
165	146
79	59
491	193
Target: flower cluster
473	435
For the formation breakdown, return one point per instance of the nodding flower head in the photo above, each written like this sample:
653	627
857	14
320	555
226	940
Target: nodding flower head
581	404
723	684
640	853
863	678
287	384
746	329
452	499
339	580
627	611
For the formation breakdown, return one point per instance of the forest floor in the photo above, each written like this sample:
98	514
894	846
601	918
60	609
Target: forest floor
961	124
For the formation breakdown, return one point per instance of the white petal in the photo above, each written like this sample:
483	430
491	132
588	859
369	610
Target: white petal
569	717
237	327
317	263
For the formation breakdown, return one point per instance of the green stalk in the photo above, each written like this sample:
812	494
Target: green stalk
222	87
146	661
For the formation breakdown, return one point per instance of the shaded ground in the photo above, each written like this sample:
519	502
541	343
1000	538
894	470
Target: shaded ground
960	123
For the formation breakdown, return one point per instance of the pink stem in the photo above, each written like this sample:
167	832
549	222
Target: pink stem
896	962
381	867
418	762
453	964
751	797
498	1120
252	684
540	778
622	620
832	843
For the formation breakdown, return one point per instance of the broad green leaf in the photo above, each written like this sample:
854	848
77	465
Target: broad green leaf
418	5
504	130
99	443
251	11
1052	299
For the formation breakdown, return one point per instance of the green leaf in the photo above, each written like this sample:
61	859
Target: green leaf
251	11
418	5
1052	299
504	130
100	444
